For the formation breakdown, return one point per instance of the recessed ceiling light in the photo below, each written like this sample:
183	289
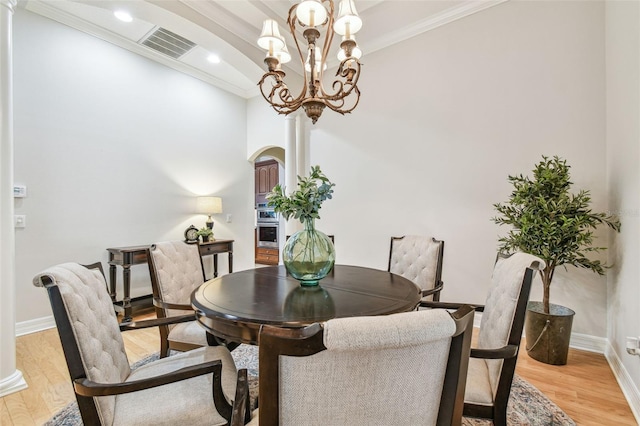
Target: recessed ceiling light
213	58
123	15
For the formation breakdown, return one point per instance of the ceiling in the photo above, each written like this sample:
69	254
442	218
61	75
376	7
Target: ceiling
230	28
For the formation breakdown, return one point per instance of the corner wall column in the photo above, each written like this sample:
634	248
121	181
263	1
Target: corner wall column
290	167
302	144
11	379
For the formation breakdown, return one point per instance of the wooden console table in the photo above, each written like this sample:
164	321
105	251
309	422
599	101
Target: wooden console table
137	255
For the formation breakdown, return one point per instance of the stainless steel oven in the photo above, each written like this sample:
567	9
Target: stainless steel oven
267	215
267	222
268	234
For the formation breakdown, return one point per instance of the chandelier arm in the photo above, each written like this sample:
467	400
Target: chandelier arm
339	108
350	74
328	40
279	95
291	21
343	90
344	72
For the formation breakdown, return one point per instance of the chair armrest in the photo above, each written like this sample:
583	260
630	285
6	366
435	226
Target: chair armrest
138	325
434	290
448	305
505	352
241	413
86	387
166	305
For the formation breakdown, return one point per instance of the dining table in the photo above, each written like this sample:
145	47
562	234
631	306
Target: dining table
234	306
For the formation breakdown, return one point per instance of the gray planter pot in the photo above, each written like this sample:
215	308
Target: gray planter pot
548	335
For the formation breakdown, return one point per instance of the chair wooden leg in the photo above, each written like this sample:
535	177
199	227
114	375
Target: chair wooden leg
164	348
500	418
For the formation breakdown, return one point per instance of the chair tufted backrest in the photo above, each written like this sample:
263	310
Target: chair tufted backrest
500	305
95	328
416	258
178	270
376	370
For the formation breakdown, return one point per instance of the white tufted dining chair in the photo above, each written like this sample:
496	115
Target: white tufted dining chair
176	271
401	369
177	390
419	259
493	361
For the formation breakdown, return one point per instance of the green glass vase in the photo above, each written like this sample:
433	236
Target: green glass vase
308	255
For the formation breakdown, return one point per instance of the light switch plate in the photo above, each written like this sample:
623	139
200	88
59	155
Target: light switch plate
19	191
19	221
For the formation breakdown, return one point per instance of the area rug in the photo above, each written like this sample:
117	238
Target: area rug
527	405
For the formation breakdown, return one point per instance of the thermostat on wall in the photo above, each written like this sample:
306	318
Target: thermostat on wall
19	191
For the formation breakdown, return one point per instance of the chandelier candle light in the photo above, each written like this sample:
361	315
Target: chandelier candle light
315	18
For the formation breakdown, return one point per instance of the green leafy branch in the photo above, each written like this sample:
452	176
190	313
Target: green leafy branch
205	232
306	201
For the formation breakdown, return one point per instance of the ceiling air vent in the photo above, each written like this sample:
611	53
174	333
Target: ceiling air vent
168	43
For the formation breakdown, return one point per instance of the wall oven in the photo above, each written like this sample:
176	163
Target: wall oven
268	234
267	215
267	222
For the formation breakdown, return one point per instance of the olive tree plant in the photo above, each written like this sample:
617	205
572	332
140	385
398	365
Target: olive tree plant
550	222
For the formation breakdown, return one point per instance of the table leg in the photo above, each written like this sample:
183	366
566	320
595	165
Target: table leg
126	301
230	261
215	266
112	283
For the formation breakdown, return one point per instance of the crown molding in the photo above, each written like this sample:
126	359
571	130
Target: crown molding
437	20
9	4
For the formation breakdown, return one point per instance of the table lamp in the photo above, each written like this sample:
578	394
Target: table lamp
209	206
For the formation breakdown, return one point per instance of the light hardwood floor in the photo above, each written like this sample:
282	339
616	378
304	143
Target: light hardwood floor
585	388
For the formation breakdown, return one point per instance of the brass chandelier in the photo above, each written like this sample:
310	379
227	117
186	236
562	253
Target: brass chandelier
314	18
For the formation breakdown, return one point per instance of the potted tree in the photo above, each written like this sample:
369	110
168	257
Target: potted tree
550	222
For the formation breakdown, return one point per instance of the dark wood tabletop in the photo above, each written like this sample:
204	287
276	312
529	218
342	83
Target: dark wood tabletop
234	306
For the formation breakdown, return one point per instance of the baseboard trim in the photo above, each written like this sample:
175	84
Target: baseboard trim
33	326
585	342
14	383
628	387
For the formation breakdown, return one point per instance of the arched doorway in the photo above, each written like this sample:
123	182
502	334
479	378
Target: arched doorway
269	169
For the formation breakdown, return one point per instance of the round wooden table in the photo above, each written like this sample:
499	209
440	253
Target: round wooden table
234	306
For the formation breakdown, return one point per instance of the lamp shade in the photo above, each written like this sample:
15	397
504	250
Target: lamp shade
208	205
270	39
348	22
311	13
283	54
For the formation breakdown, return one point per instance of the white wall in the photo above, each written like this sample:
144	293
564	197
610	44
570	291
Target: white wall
114	148
474	101
265	127
623	155
446	116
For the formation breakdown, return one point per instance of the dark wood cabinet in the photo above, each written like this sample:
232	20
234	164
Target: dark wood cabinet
267	176
267	256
